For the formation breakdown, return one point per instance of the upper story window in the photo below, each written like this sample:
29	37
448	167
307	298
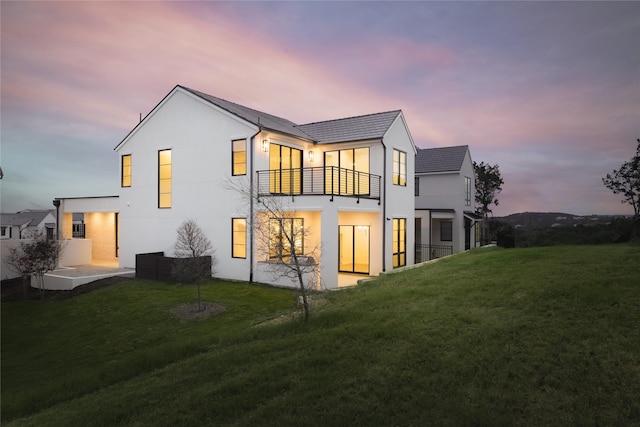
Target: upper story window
239	156
399	168
285	169
125	178
347	171
467	191
164	178
417	186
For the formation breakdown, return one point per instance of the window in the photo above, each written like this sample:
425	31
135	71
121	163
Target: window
164	178
399	242
399	168
446	231
467	191
417	186
125	179
3	231
239	156
285	233
347	171
285	166
239	237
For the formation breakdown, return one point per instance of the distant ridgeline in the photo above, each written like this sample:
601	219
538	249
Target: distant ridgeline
555	228
555	219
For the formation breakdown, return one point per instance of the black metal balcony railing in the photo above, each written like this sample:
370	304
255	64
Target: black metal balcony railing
429	252
78	231
323	180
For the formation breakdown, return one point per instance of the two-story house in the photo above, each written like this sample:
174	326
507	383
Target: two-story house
445	221
347	181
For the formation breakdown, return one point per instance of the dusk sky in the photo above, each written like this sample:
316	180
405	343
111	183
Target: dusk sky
549	91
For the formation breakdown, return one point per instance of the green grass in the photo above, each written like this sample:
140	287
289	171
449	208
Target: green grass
537	336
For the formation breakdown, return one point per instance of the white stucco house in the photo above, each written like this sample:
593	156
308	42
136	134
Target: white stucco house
349	181
445	222
20	224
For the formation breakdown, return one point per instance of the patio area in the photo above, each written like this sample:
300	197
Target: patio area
68	278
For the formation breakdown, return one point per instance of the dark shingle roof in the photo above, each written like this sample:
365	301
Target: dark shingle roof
256	117
370	126
444	159
28	217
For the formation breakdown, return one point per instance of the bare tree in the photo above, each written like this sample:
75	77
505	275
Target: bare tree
282	241
195	255
35	258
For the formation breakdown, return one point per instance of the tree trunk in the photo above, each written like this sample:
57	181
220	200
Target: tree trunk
26	282
303	291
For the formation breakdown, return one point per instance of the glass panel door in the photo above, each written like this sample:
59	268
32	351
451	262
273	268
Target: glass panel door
353	249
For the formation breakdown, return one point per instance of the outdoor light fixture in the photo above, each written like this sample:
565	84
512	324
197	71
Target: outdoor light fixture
311	156
265	145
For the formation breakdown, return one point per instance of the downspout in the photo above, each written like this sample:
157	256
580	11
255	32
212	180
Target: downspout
384	205
56	203
251	144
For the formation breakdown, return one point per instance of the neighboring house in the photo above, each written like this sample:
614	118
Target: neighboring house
22	224
444	202
348	180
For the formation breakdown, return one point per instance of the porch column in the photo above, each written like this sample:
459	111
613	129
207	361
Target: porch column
329	258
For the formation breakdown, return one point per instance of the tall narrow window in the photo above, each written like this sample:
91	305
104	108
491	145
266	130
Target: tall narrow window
446	231
285	234
417	186
399	242
125	179
164	178
239	237
399	168
239	156
467	191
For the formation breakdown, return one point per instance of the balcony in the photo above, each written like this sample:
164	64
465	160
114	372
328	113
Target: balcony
319	181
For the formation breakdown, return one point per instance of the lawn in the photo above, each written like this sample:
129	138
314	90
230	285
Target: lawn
537	336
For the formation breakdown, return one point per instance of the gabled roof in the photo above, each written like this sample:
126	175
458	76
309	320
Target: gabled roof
444	159
255	117
24	218
359	128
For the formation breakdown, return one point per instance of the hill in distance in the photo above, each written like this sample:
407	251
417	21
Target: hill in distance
554	219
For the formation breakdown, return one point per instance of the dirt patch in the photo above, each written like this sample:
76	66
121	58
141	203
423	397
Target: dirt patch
189	312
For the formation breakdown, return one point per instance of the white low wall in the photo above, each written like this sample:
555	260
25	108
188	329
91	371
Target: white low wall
5	271
264	273
75	252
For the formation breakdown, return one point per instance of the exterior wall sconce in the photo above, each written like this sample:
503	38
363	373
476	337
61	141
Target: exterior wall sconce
311	156
265	145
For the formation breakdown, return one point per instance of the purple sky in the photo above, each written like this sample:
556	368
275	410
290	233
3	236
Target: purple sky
548	91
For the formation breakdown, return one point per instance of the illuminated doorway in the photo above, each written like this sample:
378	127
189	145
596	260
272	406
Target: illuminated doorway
353	249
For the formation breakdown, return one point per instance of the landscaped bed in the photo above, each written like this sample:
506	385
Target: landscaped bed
540	336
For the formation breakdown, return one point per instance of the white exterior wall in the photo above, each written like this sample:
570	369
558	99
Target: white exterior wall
199	136
399	200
